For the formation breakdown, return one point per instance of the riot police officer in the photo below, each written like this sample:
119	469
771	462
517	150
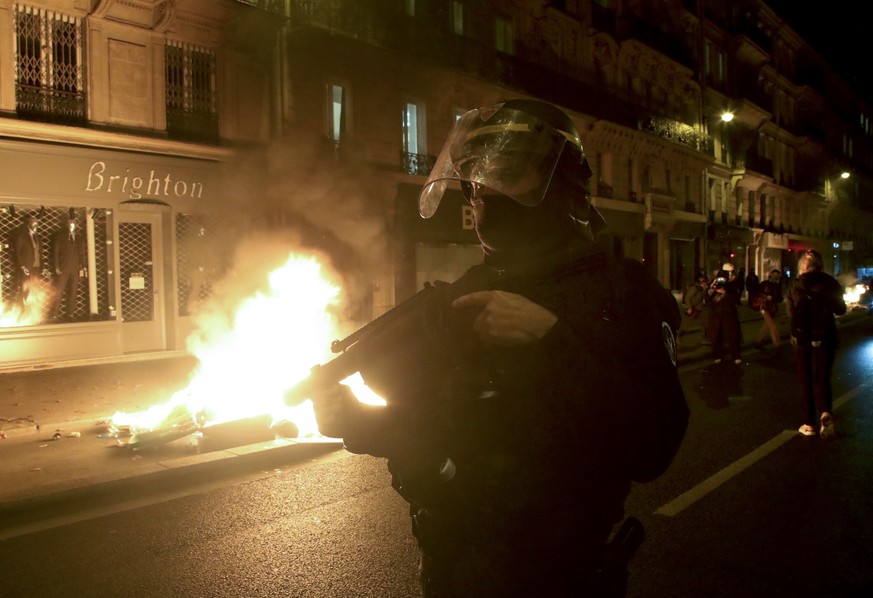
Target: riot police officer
562	387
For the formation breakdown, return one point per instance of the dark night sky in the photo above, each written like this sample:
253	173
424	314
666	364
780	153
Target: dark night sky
840	31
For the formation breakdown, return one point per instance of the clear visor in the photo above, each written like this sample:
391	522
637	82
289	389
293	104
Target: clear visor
505	150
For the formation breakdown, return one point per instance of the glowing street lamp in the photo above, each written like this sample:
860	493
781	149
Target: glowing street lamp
727	116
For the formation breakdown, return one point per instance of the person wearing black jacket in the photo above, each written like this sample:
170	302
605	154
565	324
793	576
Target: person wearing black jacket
766	300
723	297
813	300
517	443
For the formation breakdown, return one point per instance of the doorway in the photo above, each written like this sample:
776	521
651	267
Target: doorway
141	296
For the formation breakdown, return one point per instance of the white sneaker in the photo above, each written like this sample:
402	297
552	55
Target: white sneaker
718	360
738	361
827	426
806	430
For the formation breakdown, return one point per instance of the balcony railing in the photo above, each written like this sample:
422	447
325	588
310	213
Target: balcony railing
679	132
50	105
420	164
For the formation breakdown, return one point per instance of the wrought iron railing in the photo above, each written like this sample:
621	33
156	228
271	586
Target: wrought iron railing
420	164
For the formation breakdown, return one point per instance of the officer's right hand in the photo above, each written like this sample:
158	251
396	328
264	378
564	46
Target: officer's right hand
507	319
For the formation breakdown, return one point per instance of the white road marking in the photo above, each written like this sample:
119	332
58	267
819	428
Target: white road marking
682	502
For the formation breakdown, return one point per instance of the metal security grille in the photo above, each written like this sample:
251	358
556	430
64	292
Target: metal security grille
137	284
14	218
212	252
50	73
190	89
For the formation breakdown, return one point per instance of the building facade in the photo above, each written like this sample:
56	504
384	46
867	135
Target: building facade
714	131
126	118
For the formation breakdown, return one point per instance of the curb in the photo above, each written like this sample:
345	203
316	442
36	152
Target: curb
68	498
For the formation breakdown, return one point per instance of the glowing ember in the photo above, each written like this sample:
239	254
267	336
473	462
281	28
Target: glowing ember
32	312
249	359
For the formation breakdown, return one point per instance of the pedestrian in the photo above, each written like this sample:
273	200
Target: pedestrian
27	249
517	452
694	300
723	297
69	250
753	285
767	300
813	301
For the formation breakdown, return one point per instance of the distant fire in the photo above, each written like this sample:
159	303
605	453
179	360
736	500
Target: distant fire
33	310
853	293
249	358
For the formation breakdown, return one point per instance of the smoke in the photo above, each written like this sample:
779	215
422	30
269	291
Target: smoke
325	198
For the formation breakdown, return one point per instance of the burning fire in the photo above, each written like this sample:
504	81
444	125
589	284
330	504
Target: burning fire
248	360
853	293
33	310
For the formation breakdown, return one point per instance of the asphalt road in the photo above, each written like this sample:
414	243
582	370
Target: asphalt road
749	508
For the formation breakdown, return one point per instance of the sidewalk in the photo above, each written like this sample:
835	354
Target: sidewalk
83	466
58	457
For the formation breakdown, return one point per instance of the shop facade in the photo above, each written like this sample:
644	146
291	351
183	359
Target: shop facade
142	216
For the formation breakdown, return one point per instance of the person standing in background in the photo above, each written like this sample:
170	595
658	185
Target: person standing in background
723	297
694	300
813	301
766	300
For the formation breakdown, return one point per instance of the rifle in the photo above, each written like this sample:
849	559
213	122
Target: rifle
423	339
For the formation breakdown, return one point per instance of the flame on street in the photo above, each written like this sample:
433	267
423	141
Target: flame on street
249	358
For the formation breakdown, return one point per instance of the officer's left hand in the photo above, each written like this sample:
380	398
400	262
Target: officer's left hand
507	319
335	410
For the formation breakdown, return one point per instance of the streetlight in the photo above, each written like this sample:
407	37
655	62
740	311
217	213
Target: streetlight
831	188
727	116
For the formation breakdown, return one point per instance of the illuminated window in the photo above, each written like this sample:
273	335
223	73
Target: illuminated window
457	17
504	36
415	159
336	112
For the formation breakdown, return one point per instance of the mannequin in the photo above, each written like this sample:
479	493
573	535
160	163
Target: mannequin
28	257
69	252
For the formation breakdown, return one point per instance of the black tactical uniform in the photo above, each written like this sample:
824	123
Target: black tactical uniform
516	460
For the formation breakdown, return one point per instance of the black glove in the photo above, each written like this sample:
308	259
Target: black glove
336	410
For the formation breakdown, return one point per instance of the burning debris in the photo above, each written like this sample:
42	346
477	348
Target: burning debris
252	345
